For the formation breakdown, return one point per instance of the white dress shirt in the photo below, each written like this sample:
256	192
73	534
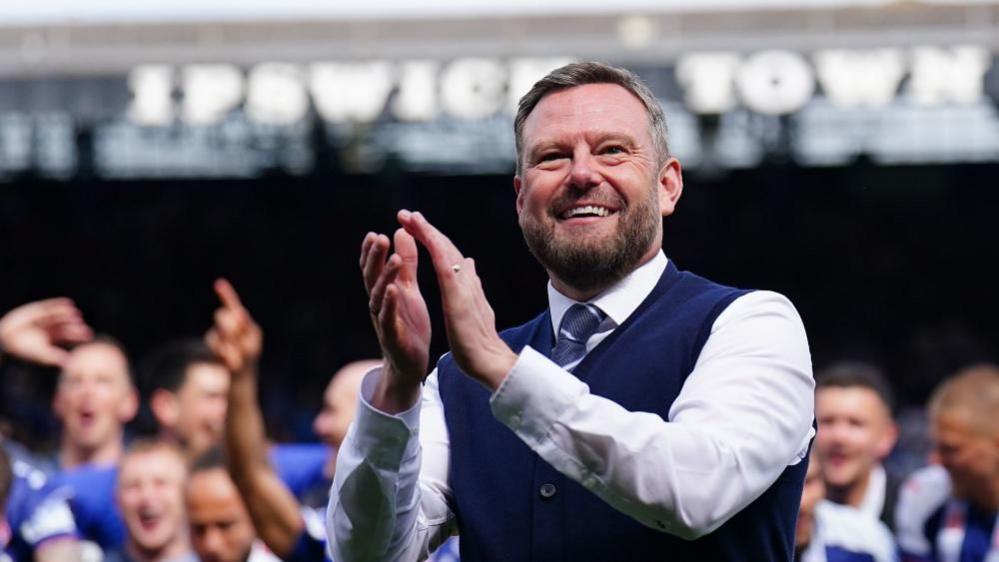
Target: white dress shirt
742	416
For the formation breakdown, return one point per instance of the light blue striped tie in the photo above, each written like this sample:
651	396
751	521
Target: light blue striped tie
578	324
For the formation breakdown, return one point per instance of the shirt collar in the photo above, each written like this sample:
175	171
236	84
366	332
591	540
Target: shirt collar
621	299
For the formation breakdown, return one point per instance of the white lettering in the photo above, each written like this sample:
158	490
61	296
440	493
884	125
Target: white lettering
417	96
707	80
948	75
860	78
473	88
346	92
275	94
775	82
210	91
151	86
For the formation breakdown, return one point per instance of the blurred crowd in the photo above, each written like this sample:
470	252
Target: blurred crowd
207	484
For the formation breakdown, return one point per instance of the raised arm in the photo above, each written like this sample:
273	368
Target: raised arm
237	340
35	331
388	502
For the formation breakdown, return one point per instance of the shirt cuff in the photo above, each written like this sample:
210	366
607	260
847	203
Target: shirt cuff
534	396
384	439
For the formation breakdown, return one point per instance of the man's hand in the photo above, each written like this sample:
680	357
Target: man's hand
34	331
399	315
470	321
235	338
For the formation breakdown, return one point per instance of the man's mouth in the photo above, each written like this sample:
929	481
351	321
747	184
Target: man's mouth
586	211
149	519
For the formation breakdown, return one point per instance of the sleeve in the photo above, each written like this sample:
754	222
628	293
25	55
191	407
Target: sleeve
390	493
42	515
743	415
921	499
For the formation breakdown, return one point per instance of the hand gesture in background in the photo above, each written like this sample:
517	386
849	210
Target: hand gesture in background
35	331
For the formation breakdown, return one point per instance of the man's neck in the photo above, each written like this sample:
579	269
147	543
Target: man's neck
852	494
162	554
988	498
72	455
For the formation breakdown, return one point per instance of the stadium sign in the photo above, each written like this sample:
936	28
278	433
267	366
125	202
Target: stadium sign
772	82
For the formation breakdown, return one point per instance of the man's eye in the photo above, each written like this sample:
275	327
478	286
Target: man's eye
614	149
549	156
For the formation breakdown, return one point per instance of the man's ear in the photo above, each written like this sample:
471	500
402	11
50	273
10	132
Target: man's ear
164	407
58	405
518	185
670	184
887	441
129	406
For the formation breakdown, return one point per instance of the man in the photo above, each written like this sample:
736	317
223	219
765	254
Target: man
150	496
221	529
648	413
856	432
830	532
948	512
188	389
94	400
39	524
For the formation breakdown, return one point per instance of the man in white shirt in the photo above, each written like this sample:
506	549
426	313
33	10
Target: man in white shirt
853	408
647	413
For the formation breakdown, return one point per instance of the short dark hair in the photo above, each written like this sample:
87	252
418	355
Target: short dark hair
857	373
591	72
166	367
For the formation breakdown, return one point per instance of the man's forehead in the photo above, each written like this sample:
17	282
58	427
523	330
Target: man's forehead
151	464
609	102
853	395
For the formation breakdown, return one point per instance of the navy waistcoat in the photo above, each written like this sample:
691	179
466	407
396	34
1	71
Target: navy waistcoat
496	478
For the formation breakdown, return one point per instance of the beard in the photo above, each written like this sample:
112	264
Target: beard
593	263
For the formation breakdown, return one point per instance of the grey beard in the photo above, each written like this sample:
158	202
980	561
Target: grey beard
592	267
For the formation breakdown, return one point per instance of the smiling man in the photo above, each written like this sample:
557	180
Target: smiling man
853	408
150	495
646	414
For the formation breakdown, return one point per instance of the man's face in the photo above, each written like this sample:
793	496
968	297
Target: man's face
592	193
201	406
970	457
94	398
812	493
339	407
855	432
221	530
151	498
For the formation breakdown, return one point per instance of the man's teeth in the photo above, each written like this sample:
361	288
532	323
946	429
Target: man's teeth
587	210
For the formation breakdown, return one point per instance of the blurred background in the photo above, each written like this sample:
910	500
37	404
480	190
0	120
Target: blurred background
843	153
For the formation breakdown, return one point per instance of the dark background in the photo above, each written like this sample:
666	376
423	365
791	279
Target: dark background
889	265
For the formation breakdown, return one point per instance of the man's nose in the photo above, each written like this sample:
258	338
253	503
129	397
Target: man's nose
584	173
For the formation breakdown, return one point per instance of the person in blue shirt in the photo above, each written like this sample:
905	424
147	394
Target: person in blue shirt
947	512
188	390
37	524
150	496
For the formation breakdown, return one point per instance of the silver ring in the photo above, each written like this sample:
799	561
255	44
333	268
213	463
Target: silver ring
456	268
